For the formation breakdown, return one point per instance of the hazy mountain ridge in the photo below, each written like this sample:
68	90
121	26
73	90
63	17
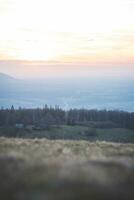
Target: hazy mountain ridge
5	77
7	81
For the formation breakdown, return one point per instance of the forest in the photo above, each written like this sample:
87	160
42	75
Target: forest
48	116
56	123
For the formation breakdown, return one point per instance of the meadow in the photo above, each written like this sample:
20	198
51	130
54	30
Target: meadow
38	169
68	132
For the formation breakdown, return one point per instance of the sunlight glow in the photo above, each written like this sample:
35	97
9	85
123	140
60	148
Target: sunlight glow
67	30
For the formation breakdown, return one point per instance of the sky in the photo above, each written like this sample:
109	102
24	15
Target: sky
42	38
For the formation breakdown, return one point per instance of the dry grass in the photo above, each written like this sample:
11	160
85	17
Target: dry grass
40	169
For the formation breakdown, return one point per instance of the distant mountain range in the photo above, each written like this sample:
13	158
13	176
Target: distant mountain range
9	86
6	77
6	80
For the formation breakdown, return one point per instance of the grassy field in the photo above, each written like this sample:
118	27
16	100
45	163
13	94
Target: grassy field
76	132
41	169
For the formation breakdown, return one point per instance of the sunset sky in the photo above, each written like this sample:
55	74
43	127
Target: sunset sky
41	38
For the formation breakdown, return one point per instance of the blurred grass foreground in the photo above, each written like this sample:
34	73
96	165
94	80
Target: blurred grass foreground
42	169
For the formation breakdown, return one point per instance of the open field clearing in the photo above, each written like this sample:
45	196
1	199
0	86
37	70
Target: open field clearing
41	169
67	132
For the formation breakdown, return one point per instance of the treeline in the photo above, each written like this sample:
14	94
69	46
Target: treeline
57	116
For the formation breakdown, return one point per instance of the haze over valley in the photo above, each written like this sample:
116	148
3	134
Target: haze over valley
91	93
